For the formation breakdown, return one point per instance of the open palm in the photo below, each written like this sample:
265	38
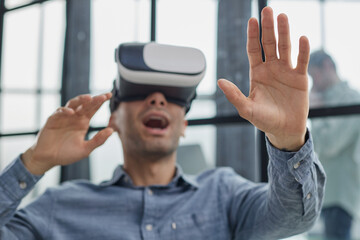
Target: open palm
278	100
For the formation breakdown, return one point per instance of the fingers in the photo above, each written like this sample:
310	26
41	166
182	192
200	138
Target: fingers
64	111
89	108
269	41
304	55
284	44
58	118
84	101
87	105
268	34
61	112
253	43
236	98
98	140
77	101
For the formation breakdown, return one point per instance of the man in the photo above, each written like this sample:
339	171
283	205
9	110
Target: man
337	143
148	197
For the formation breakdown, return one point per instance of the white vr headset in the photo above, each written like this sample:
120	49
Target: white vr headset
144	68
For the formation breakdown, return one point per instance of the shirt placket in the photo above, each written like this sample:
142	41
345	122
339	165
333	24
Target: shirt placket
148	226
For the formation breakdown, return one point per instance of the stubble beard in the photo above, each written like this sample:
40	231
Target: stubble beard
153	149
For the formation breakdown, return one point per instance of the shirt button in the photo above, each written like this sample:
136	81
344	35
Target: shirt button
149	227
173	225
296	165
150	192
308	196
22	184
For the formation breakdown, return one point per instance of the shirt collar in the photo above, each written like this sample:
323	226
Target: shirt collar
121	178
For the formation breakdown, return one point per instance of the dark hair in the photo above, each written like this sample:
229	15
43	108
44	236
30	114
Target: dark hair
318	58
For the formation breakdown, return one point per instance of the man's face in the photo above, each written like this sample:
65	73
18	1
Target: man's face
150	127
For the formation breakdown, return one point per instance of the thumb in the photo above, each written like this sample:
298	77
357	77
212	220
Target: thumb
236	98
99	139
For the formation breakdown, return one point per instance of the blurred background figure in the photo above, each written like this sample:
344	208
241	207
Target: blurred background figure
337	143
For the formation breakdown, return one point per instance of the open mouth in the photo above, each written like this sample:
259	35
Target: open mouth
156	122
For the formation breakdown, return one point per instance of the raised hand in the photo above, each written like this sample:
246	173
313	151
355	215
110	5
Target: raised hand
62	140
278	100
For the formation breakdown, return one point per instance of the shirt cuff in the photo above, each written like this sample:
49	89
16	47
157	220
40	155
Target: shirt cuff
16	180
300	160
297	167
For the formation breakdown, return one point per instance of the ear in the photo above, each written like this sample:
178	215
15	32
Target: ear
184	128
112	123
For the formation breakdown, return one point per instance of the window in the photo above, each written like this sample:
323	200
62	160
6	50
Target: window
32	55
32	51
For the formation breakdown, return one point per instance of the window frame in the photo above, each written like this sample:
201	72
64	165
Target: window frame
217	121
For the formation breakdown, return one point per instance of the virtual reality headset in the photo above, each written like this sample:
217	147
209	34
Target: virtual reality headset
145	68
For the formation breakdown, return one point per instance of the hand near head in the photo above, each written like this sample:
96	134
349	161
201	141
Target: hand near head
62	140
278	100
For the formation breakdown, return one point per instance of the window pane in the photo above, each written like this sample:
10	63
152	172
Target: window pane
114	22
49	103
12	147
53	44
18	112
202	109
20	49
101	117
194	24
254	9
15	3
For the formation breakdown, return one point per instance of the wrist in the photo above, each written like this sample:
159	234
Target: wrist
33	166
288	143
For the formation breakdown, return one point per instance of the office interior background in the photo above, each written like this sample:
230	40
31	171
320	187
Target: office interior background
52	50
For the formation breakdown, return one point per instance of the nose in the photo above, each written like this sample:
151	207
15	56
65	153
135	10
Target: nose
156	99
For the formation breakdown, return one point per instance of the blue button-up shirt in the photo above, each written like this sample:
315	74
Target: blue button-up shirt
217	204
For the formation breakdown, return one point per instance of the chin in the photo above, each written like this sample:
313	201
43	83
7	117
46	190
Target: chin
161	150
